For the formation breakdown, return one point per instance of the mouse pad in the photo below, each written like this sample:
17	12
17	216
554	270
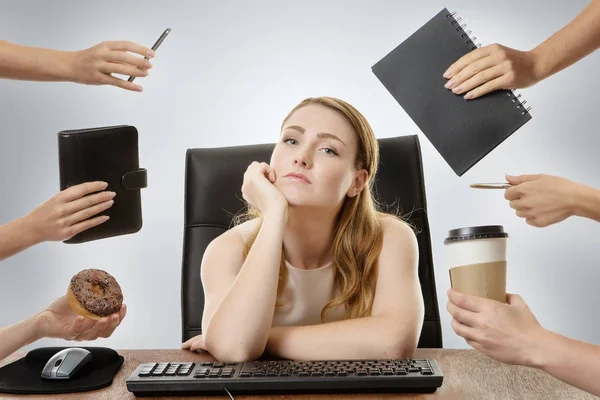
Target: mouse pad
24	376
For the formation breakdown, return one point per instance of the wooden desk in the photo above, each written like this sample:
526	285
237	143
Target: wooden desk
467	375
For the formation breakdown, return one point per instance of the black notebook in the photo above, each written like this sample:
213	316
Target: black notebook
462	131
108	154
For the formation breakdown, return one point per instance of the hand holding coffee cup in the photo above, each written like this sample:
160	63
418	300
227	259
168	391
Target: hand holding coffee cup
477	258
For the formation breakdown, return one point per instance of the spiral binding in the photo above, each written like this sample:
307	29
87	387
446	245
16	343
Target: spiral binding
514	95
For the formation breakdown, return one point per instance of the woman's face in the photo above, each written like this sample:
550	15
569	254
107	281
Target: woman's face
314	159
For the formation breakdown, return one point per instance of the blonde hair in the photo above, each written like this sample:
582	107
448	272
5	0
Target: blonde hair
358	234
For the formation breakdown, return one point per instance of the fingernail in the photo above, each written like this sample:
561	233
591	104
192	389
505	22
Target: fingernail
105	185
457	89
106	217
109	203
139	88
450	84
509	176
447	74
469	96
151	53
112	194
148	64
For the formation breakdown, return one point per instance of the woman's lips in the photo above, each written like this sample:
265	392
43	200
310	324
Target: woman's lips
298	177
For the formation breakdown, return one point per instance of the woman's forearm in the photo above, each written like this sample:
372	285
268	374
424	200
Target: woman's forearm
570	44
358	338
587	202
574	362
239	328
13	337
15	237
34	64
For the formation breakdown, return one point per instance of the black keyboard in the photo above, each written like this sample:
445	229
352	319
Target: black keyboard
282	376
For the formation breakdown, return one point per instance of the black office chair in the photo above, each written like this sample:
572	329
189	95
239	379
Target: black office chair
213	197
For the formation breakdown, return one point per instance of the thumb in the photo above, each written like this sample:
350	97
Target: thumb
515	300
516	180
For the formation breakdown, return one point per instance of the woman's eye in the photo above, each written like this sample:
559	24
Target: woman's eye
290	141
332	152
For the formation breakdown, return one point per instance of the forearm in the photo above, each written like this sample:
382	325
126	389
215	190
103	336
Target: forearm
586	202
359	338
34	64
239	328
15	237
13	337
570	44
574	362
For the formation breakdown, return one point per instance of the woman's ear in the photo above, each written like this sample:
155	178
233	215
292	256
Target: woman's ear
359	183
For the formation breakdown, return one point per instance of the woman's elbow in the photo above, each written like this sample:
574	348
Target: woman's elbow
400	346
225	349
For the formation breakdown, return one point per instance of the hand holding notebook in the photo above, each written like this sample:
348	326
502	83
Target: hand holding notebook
108	154
462	131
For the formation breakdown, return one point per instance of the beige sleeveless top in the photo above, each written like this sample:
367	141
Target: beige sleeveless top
305	293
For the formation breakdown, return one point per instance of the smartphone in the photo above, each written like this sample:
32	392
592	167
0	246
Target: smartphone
155	47
491	185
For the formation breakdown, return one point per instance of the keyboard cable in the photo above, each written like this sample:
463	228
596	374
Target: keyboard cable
229	393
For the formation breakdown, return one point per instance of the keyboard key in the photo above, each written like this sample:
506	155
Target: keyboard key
206	364
414	369
245	374
426	372
219	365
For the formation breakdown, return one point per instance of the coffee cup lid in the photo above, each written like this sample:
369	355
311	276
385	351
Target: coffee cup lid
476	232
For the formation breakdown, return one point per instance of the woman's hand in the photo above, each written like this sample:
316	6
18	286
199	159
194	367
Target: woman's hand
195	343
491	68
260	192
60	321
542	199
69	212
95	66
509	333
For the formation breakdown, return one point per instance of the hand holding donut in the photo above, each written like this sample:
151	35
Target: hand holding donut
70	212
93	307
60	321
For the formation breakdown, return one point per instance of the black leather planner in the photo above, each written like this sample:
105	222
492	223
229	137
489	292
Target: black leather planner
108	154
462	131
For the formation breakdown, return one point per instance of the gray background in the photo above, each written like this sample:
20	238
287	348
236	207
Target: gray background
227	75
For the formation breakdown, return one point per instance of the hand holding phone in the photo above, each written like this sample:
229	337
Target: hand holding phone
155	47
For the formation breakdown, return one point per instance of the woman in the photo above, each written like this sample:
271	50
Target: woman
318	273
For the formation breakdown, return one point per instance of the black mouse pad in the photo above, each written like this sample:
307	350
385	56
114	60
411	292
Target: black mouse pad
24	376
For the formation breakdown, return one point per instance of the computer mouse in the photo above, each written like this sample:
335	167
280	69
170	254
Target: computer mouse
66	363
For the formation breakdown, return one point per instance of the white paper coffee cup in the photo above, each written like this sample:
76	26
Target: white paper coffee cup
477	261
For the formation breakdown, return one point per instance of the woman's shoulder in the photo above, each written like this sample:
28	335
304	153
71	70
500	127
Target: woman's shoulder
230	244
395	229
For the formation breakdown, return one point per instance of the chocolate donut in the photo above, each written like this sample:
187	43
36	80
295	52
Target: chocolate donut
94	293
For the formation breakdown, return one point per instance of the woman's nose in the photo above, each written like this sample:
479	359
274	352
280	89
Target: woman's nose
302	159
